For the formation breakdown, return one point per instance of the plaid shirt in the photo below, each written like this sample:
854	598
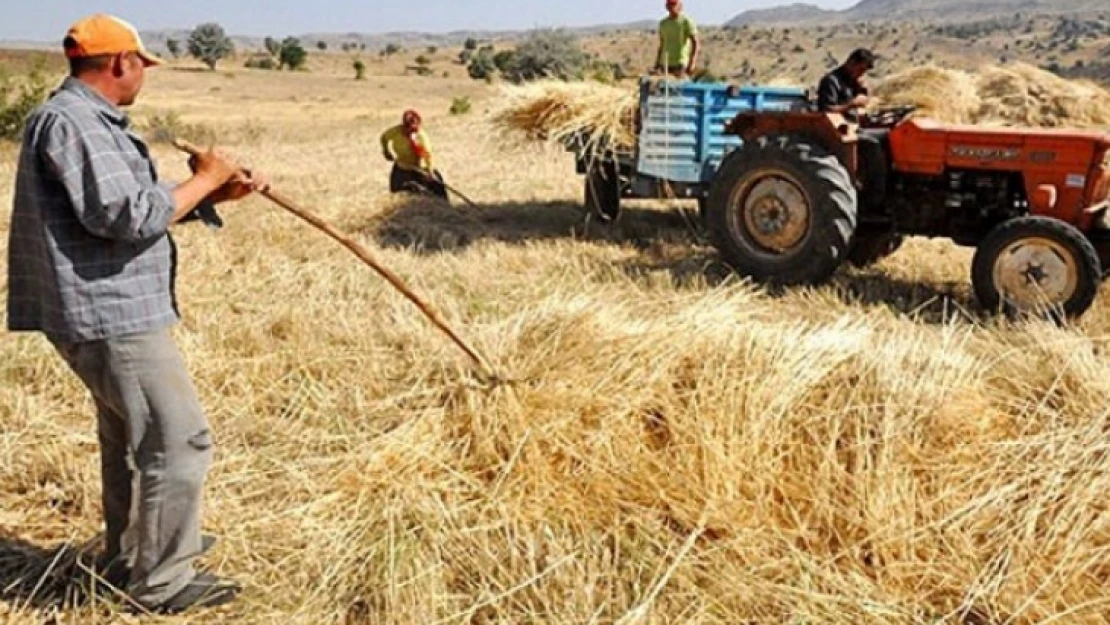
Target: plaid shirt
89	255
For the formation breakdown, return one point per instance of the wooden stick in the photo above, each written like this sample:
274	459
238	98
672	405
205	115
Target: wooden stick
445	185
367	258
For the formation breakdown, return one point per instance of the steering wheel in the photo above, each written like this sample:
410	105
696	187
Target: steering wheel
889	116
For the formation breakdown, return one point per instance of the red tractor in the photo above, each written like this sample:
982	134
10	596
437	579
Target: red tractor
807	192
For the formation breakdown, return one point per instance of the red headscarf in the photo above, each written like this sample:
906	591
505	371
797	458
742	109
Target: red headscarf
412	121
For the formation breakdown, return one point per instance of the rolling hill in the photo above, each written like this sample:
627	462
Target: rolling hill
901	10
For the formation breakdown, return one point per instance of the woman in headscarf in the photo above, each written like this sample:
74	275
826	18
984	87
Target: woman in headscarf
407	146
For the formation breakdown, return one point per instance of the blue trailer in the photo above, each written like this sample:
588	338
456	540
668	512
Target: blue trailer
680	141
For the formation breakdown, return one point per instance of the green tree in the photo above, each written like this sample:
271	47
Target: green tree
471	44
210	44
423	61
321	45
360	69
173	46
391	49
292	54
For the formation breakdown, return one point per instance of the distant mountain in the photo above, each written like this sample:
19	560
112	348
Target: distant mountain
797	13
156	39
904	10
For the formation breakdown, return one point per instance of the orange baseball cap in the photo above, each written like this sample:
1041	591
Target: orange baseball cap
101	34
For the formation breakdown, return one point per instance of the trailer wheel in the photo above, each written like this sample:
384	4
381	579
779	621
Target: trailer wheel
603	189
1037	266
782	211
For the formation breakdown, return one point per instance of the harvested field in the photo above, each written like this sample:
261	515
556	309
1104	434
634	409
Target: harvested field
680	447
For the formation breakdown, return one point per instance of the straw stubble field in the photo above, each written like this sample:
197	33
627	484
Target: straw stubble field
679	447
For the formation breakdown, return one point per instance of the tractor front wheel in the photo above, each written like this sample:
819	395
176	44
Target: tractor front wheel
782	211
1037	265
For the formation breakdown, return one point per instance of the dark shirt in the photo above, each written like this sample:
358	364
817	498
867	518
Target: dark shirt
837	88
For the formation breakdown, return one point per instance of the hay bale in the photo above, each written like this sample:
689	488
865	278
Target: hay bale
1028	96
551	110
942	94
1017	95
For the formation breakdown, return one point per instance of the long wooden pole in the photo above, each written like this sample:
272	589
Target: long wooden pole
367	258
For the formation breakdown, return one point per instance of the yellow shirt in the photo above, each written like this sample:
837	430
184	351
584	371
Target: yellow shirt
395	141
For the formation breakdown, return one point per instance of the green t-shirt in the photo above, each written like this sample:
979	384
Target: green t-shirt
676	34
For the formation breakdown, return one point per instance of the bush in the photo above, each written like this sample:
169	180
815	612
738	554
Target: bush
18	99
292	54
210	44
504	60
423	60
547	54
482	66
460	105
360	69
260	62
165	128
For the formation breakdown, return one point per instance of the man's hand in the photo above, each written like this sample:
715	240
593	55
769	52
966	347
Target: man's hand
214	168
859	101
387	155
691	69
240	186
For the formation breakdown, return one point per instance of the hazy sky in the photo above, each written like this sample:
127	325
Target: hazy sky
47	20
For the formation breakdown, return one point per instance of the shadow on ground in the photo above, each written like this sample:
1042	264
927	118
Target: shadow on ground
42	578
670	241
429	226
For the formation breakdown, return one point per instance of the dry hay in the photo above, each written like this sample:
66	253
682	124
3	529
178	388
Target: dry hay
562	111
943	94
1015	95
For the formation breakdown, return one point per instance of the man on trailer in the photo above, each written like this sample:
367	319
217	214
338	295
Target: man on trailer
678	43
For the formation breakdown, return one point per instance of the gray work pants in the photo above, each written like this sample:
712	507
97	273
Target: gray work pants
149	417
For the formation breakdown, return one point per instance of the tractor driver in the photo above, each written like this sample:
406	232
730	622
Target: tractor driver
843	90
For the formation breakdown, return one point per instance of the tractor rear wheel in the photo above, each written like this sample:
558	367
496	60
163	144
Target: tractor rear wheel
782	211
603	189
1037	265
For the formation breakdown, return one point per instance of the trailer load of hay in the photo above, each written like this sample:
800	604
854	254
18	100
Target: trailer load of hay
553	110
1015	95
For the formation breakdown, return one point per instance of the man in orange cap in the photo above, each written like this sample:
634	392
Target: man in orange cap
92	267
678	43
407	145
